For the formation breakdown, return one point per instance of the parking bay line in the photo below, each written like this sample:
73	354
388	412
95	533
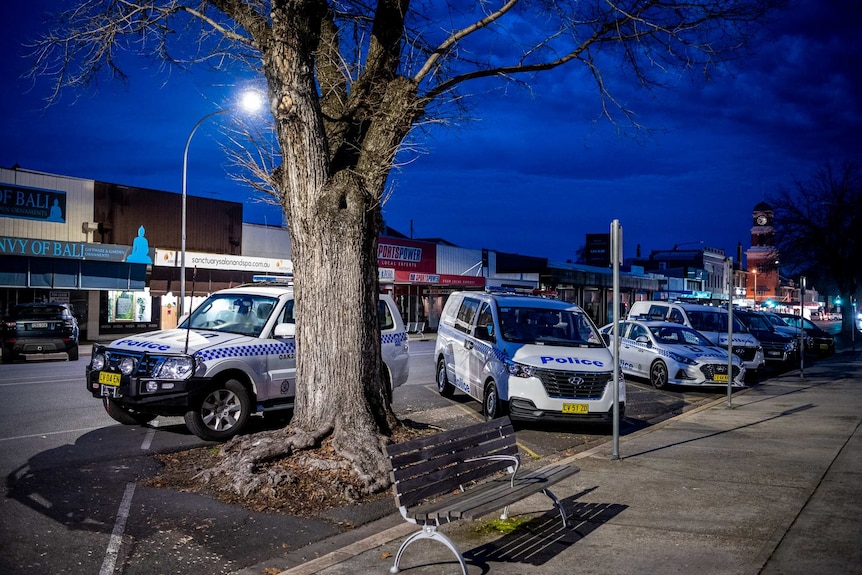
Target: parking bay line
117	534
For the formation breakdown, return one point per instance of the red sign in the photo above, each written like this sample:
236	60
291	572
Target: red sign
406	255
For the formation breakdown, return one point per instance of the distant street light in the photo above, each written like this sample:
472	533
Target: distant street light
251	102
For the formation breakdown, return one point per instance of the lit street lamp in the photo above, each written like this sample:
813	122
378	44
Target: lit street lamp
251	102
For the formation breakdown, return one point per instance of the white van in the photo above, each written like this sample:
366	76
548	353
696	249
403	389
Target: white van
233	356
530	357
708	320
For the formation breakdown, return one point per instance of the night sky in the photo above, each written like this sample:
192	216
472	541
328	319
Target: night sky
531	173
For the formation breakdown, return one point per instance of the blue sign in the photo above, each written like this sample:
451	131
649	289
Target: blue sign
32	204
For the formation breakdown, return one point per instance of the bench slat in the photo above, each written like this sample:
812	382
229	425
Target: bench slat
491	496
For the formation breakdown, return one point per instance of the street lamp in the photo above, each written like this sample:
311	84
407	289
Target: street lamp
251	102
754	272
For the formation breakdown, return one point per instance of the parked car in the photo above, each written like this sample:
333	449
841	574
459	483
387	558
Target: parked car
777	347
233	356
710	321
670	353
822	342
40	328
531	357
791	331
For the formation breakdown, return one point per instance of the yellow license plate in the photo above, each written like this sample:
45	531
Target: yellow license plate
108	378
721	377
576	408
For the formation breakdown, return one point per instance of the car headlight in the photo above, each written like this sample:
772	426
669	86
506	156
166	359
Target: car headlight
682	359
126	365
180	367
98	361
519	369
789	346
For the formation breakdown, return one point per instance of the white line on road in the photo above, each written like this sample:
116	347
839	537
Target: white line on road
148	439
117	535
49	433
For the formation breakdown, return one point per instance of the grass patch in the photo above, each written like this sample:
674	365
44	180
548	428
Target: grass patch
503	526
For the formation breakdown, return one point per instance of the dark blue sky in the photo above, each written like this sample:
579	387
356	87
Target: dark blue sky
532	173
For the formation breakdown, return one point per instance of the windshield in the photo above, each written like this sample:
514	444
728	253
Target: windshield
548	327
713	321
678	336
241	314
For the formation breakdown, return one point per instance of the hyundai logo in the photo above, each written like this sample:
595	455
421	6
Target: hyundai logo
576	381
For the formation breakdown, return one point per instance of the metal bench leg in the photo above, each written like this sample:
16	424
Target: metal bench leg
558	504
429	532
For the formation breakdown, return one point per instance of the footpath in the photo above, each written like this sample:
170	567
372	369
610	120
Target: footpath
770	484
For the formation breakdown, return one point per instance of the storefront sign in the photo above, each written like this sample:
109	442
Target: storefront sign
407	255
10	246
32	204
265	266
386	274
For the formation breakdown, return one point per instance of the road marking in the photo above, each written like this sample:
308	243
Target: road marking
117	535
49	433
34	380
148	439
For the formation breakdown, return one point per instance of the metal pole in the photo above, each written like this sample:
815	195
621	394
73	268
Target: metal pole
616	258
728	270
802	327
182	305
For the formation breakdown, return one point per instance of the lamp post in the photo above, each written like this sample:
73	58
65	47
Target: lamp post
754	272
251	101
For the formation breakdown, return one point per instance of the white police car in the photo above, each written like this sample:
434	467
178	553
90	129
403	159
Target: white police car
530	357
233	356
670	353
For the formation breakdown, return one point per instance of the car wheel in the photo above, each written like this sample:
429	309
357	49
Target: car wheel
222	413
73	354
125	415
493	406
445	388
658	374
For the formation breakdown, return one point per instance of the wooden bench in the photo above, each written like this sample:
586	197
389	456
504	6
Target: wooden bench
458	474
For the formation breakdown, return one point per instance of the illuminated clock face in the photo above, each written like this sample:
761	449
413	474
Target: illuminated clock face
761	220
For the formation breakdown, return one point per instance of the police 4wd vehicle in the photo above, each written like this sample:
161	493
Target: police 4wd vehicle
530	357
235	355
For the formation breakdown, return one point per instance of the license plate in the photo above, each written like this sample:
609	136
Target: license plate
824	346
722	377
576	408
108	378
39	325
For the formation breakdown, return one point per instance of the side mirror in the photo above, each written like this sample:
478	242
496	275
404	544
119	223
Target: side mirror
285	330
643	339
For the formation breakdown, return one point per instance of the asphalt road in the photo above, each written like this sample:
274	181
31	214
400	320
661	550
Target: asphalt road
75	501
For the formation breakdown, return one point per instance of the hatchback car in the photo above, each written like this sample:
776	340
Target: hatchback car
670	353
40	328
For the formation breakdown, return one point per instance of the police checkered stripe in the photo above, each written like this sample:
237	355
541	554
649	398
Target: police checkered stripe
395	338
247	351
656	350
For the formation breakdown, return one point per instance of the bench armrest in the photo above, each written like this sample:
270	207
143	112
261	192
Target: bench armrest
513	470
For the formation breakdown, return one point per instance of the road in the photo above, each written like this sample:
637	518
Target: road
77	501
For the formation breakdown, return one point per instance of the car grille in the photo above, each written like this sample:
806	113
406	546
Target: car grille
710	370
746	353
772	346
145	364
573	384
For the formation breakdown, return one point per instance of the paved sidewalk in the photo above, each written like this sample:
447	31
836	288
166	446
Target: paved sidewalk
771	485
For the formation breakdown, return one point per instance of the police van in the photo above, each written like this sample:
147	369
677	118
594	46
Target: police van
529	357
708	320
235	355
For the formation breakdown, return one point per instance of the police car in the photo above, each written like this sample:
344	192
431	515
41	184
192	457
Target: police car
233	356
530	357
670	353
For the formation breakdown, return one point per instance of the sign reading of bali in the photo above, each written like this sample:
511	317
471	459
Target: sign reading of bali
172	258
32	203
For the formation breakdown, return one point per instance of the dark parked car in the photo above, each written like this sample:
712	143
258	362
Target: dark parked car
37	328
822	342
776	346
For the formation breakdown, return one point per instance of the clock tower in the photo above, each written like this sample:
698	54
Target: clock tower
762	257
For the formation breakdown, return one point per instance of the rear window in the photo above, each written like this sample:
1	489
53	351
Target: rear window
37	312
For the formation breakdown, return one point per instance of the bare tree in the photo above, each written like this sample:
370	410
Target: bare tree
818	227
348	81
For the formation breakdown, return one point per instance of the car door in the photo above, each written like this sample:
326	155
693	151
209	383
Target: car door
641	353
280	357
464	320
